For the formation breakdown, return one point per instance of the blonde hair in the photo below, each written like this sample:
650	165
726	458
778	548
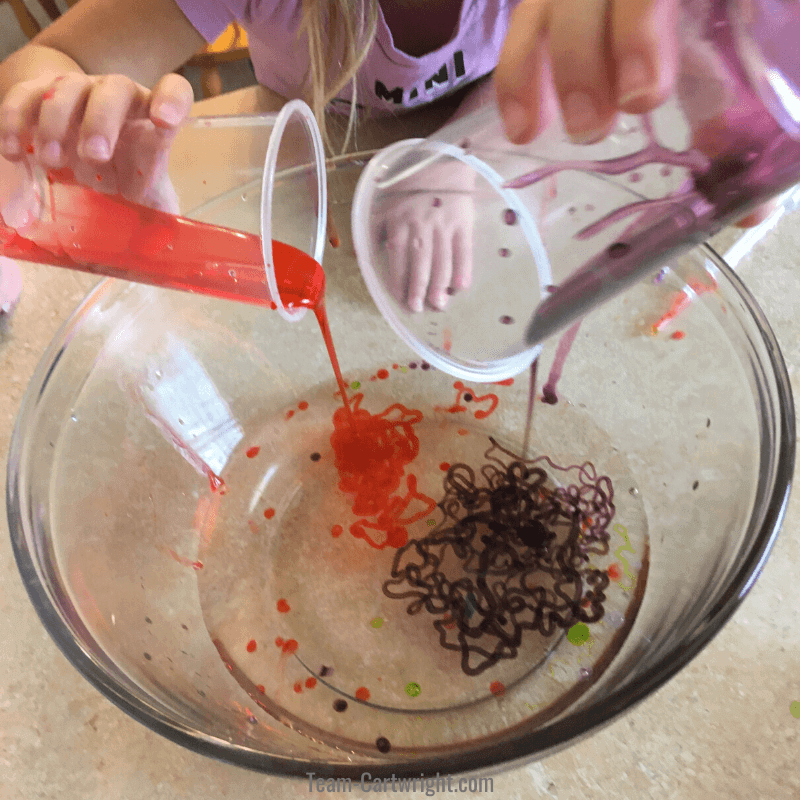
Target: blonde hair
340	33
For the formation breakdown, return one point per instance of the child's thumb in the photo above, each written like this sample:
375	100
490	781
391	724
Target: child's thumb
171	101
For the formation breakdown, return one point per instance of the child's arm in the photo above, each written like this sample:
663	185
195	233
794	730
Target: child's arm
69	91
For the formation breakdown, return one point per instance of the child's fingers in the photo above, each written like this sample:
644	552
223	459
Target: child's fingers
420	249
462	259
171	101
644	43
580	64
441	269
107	108
397	245
60	113
18	115
518	77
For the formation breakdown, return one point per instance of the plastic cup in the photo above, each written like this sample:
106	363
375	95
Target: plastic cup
75	220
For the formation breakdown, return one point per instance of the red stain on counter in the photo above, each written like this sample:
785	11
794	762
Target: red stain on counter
283	606
362	693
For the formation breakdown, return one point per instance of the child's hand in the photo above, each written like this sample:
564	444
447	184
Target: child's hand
427	228
597	57
593	61
112	132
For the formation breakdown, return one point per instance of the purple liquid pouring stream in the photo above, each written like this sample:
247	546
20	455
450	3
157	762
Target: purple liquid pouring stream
747	158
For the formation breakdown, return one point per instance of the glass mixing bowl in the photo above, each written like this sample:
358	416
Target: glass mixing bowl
246	580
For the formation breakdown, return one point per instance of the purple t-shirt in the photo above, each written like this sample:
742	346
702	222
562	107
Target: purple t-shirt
389	80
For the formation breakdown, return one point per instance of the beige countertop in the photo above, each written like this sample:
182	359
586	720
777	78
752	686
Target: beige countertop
721	729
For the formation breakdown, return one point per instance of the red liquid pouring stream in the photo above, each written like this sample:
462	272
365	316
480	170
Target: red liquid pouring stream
108	235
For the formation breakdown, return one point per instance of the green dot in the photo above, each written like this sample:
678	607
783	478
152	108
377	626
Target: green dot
413	689
578	633
403	369
431	522
377	622
355	385
794	709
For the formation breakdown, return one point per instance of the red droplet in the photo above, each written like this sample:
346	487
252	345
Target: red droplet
29	149
278	641
290	646
395	366
269	513
497	689
383	374
261	688
677	335
290	413
283	606
362	693
141	174
337	530
311	683
302	405
298	687
98	177
251	646
614	572
216	483
272	304
197	564
253	452
444	466
462	431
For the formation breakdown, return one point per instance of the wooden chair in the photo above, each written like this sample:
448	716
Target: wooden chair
230	46
30	27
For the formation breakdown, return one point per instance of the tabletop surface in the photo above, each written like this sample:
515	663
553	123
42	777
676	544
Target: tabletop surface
722	728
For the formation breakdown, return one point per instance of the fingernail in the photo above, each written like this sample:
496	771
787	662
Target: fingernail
580	117
515	120
51	154
415	304
10	145
97	147
167	113
634	80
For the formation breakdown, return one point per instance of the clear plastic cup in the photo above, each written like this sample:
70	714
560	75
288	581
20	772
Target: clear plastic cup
477	250
77	218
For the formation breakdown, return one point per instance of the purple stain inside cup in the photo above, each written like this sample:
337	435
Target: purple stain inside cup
506	320
589	207
666	171
509	217
618	250
437	201
635	177
504	252
572	210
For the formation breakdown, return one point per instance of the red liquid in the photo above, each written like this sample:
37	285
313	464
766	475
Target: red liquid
108	235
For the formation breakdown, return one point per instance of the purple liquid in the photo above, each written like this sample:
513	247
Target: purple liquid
748	159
